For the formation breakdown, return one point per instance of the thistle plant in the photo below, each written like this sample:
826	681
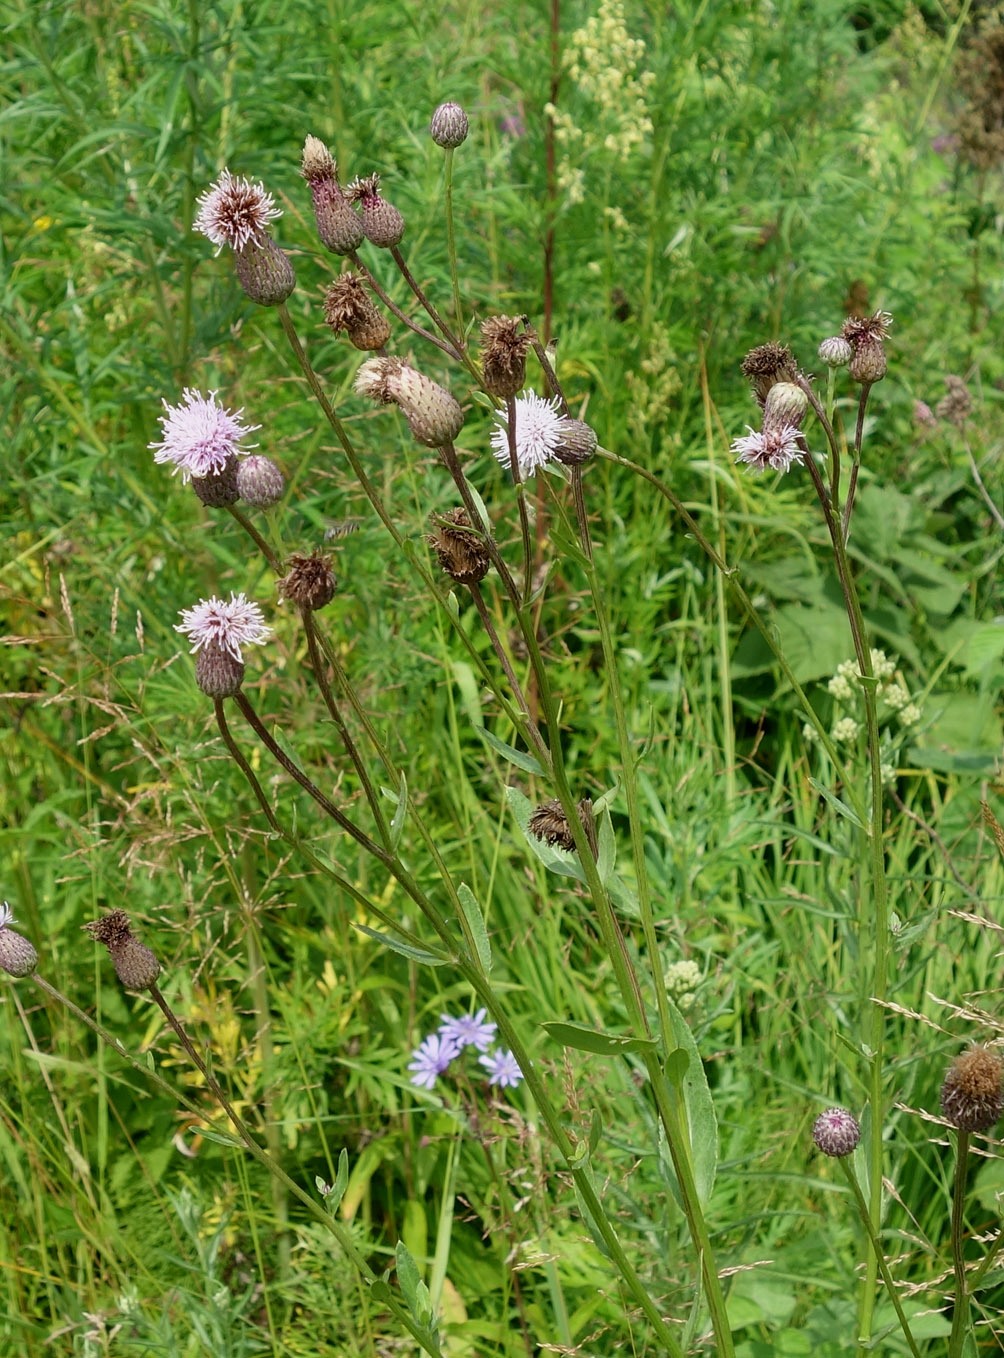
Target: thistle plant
418	368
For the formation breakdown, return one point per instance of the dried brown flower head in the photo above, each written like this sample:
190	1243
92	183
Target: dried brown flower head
503	355
981	80
866	335
767	364
549	823
972	1096
348	308
462	552
956	406
135	965
309	580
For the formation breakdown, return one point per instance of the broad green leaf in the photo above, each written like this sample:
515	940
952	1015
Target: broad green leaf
476	925
607	846
585	1039
693	1084
415	1292
841	807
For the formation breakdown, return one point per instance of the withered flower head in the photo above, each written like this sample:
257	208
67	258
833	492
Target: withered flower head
972	1096
433	415
462	552
135	965
503	355
382	224
549	823
338	224
767	364
865	335
861	329
309	580
317	164
348	308
955	407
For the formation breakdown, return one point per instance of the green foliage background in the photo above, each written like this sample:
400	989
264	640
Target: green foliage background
790	166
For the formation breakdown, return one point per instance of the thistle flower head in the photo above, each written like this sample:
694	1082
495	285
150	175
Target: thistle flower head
218	488
835	352
550	824
200	436
317	164
836	1132
235	212
865	335
539	430
309	581
382	223
784	406
260	482
348	308
135	964
338	224
859	329
772	450
217	673
448	127
766	364
461	552
17	956
972	1096
229	625
956	406
503	355
576	443
434	416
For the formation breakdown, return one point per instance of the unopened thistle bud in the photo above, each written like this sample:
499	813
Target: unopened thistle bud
550	824
576	442
338	224
767	364
449	126
835	352
836	1132
972	1096
785	406
259	481
309	581
382	224
218	488
17	956
503	355
348	308
865	335
432	413
136	966
461	552
217	673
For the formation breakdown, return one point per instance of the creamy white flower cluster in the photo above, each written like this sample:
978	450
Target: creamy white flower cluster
894	695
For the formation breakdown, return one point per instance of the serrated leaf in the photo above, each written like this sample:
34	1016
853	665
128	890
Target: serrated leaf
429	959
476	925
585	1039
521	758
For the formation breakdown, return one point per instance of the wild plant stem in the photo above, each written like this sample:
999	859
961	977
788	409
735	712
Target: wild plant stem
257	538
406	320
451	247
960	1311
441	325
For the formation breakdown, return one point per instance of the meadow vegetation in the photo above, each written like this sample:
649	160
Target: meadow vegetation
786	897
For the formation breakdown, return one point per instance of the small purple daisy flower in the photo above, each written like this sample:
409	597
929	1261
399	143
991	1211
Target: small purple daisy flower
214	622
470	1030
539	428
235	212
775	450
431	1059
502	1068
200	435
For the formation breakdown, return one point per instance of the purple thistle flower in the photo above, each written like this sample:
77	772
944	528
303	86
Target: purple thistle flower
214	622
502	1068
470	1030
430	1060
235	212
774	449
539	429
200	435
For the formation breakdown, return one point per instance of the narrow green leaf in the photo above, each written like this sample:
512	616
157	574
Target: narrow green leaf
476	925
692	1082
430	959
585	1039
416	1294
520	758
841	808
608	847
400	800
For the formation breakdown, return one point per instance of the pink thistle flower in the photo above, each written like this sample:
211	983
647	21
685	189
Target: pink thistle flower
539	430
235	212
773	450
200	435
229	626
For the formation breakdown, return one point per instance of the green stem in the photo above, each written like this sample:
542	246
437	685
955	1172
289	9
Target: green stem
451	248
960	1311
